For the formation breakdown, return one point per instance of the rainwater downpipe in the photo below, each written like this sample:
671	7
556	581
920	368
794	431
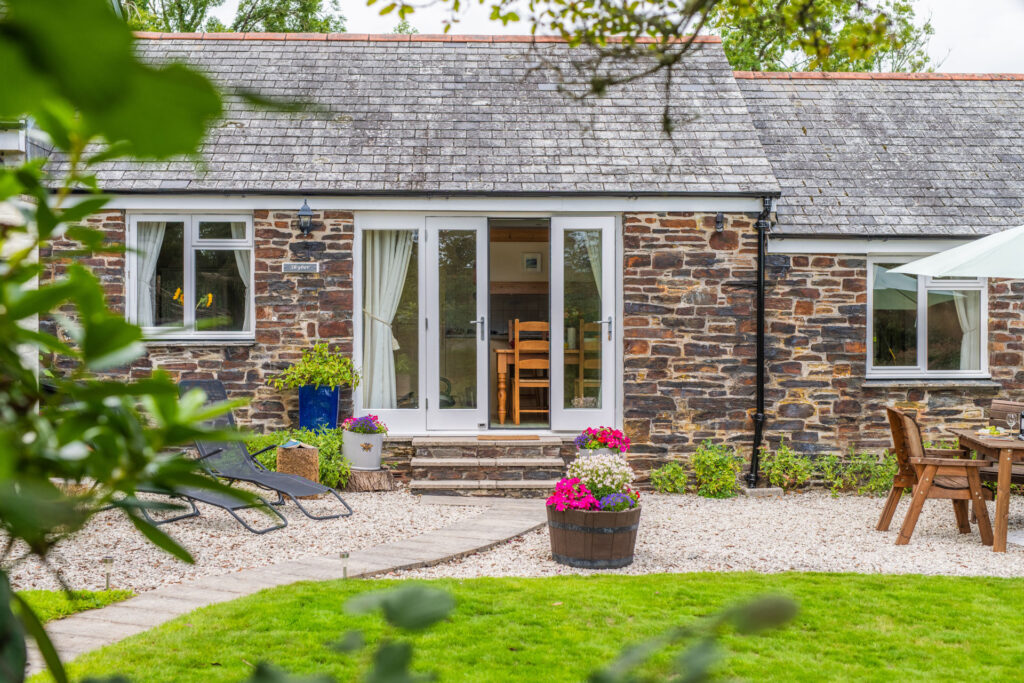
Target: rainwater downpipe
763	226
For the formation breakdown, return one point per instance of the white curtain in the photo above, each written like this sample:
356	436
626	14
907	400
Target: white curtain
594	254
385	263
243	261
150	239
968	311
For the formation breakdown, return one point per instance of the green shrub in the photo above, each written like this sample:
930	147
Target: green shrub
865	473
716	466
670	478
785	467
334	469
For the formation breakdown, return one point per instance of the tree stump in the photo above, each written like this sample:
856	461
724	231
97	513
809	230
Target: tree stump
303	460
365	480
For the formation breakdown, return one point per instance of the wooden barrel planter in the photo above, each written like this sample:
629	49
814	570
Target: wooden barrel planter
593	539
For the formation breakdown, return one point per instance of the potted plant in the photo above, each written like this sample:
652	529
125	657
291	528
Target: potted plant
601	441
318	377
593	515
363	441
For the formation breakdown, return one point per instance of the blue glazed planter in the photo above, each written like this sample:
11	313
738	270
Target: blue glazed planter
318	407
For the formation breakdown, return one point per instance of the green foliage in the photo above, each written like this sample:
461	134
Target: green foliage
319	367
864	473
785	467
669	478
334	469
404	27
838	35
275	16
715	467
50	605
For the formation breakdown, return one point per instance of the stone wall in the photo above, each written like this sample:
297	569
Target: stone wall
292	311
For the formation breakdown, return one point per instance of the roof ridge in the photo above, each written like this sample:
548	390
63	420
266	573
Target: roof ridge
385	37
875	76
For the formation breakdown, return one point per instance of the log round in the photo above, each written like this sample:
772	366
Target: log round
593	539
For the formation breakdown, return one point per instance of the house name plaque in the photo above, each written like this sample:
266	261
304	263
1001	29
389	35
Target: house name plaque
307	267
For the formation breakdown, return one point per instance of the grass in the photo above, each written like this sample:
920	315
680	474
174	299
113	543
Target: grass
50	605
850	626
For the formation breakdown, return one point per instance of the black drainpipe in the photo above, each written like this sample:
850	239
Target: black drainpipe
763	228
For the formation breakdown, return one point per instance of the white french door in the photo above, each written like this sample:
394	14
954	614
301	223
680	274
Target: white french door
456	322
583	321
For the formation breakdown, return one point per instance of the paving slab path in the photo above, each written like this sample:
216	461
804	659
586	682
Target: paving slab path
504	519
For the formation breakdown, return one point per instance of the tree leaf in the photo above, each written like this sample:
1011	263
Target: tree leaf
161	540
34	627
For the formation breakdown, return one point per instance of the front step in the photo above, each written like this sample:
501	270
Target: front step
535	488
466	466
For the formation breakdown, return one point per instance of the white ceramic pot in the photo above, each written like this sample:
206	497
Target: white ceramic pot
587	452
362	451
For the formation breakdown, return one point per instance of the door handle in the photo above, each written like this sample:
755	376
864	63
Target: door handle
609	322
481	327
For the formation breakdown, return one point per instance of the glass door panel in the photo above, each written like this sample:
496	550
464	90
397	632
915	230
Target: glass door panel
456	323
583	298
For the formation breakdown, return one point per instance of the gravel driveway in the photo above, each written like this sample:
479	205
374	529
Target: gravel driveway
799	532
220	545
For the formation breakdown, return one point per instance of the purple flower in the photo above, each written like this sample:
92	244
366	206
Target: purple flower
617	502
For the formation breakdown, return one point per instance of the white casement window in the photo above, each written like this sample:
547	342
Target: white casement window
925	327
190	276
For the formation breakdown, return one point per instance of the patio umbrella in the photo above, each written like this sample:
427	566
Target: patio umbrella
998	255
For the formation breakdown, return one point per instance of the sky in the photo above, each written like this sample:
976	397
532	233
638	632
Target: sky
976	36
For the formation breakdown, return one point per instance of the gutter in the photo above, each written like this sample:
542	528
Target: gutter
312	194
764	227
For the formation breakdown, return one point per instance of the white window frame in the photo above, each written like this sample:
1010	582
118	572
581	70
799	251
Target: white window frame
925	283
191	242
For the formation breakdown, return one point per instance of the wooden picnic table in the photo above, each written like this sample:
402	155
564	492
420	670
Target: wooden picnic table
1004	450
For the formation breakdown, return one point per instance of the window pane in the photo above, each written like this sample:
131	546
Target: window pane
457	278
583	332
161	260
954	330
222	230
222	278
894	316
390	372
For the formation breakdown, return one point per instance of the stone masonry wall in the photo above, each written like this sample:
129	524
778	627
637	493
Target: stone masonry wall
292	311
818	397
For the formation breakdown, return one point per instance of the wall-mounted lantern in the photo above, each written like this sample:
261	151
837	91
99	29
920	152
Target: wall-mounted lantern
305	218
719	222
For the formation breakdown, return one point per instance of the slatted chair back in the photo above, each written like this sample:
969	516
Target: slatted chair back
226	458
902	441
999	409
531	341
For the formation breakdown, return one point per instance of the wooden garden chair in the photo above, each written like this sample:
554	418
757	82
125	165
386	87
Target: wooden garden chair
932	473
533	355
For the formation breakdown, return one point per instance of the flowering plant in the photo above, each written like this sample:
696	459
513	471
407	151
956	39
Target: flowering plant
603	474
367	424
617	502
571	494
602	437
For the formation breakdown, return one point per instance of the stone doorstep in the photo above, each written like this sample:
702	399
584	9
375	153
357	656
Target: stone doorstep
482	484
538	461
473	442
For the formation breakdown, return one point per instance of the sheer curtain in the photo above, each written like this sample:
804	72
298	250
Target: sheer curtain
150	240
593	239
385	263
243	261
968	312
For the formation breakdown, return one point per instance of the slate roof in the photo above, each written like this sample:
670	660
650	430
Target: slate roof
895	154
443	114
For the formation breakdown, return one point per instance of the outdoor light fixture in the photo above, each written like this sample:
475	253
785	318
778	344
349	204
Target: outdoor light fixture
719	221
108	563
305	218
344	565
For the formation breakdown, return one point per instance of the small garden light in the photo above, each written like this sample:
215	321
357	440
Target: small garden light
305	218
108	564
719	222
344	565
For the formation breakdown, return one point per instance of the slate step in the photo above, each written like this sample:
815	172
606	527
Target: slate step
534	488
499	469
466	447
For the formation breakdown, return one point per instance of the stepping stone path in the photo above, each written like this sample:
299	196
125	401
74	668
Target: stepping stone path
505	519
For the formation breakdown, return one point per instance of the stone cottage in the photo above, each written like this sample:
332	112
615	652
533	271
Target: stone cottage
457	193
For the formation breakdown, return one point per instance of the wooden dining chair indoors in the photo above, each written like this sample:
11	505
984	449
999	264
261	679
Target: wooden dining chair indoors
933	473
588	356
531	353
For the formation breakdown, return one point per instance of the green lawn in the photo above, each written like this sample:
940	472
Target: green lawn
50	605
559	629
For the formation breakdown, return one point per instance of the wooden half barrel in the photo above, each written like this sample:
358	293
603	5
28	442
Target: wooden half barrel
593	539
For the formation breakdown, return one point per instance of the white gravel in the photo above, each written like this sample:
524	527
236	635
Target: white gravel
799	532
220	545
